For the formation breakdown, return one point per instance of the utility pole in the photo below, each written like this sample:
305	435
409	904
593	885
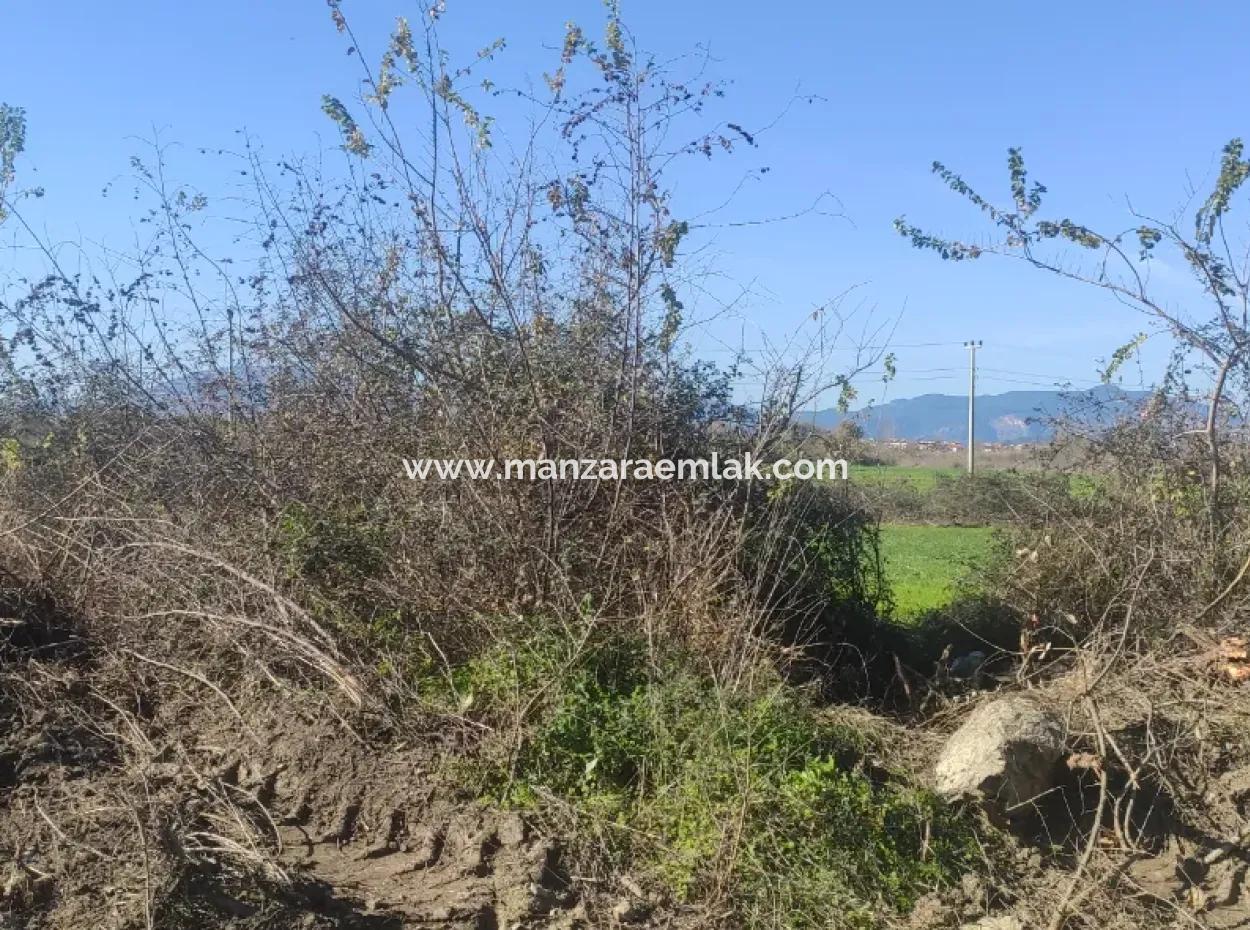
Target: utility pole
972	345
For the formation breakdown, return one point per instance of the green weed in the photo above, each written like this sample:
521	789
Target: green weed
745	792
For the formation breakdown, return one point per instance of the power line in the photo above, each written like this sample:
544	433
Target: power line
998	379
729	350
1034	374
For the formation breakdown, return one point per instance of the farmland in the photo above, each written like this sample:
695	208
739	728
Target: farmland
925	564
931	540
923	478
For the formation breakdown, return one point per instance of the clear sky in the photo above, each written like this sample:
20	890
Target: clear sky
1108	99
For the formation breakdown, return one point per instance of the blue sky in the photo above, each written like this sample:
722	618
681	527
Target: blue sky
1108	100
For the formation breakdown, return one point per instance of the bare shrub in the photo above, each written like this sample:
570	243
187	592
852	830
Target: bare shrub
203	455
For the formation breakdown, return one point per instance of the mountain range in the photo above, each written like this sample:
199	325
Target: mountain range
1012	417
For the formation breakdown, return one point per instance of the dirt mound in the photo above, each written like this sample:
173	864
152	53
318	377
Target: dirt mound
469	869
134	793
371	827
308	826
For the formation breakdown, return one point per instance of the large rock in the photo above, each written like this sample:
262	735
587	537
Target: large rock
1005	755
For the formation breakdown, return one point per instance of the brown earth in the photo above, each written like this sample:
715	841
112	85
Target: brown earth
133	793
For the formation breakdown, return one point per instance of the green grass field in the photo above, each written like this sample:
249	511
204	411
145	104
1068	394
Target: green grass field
921	478
924	563
924	479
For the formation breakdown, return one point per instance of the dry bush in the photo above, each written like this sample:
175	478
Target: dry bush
201	460
440	298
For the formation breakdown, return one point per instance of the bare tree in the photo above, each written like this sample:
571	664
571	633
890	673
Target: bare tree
1218	331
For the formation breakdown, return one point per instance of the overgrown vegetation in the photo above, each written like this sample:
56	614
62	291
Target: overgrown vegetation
203	460
749	797
215	578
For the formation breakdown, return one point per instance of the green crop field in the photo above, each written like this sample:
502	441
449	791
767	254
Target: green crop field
924	563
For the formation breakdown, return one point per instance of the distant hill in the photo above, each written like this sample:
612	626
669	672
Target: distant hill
1016	416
